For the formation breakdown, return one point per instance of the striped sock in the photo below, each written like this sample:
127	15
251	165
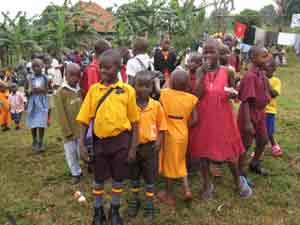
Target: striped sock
149	193
117	190
135	189
98	192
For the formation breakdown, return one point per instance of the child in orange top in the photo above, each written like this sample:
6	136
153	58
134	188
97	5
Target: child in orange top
180	111
5	118
152	127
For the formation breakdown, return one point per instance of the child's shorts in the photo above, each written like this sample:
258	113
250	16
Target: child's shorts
16	117
146	164
110	159
260	135
270	122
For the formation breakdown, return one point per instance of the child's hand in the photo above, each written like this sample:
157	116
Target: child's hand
131	155
84	152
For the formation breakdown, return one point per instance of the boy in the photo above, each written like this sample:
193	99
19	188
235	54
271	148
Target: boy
194	62
141	60
17	102
271	109
181	113
91	73
68	102
115	131
254	97
151	132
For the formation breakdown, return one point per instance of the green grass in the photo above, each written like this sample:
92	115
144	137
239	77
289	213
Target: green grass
35	189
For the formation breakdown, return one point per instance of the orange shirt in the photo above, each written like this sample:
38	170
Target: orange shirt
152	121
178	106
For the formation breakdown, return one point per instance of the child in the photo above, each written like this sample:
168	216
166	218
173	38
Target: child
151	132
194	62
141	60
68	102
216	137
180	111
115	132
234	57
165	60
17	102
5	118
254	97
271	109
37	108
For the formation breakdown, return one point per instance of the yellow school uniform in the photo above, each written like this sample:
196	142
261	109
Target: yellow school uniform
152	121
275	84
116	113
5	117
178	107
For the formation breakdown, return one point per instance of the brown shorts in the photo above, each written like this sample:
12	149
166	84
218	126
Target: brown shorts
110	160
146	164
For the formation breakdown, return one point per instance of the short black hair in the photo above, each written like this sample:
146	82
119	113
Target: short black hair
101	46
113	55
141	44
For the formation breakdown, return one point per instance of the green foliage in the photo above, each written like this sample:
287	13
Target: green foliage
269	15
249	17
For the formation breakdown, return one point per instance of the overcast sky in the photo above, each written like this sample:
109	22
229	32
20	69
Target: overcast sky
34	7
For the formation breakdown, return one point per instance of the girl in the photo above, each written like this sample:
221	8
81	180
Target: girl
179	108
194	62
17	102
5	118
37	108
216	137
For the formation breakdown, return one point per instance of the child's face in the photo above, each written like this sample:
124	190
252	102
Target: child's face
14	89
143	88
260	58
37	67
210	56
109	71
270	68
166	43
228	40
195	62
224	56
73	79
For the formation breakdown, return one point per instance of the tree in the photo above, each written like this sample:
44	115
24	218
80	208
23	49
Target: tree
286	9
249	17
268	14
16	35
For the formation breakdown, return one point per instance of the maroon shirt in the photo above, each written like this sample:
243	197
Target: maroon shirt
254	90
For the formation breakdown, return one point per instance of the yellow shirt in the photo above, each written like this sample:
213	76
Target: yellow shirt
152	121
275	83
116	113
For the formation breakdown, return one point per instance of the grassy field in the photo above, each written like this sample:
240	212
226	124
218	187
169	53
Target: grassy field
35	189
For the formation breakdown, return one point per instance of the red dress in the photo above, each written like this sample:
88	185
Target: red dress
216	135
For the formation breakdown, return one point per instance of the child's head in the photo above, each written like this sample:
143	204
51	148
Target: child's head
259	56
125	55
165	43
13	87
47	61
140	46
101	46
195	61
211	53
224	55
37	66
143	84
110	66
179	80
73	74
270	67
229	41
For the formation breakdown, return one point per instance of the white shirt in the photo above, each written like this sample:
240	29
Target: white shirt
134	66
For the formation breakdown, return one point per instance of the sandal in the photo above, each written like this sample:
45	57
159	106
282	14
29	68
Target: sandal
245	189
258	169
277	151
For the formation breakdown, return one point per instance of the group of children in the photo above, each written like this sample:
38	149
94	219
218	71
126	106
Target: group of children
134	136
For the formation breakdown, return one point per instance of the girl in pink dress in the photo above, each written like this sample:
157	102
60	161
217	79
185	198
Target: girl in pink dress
216	137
